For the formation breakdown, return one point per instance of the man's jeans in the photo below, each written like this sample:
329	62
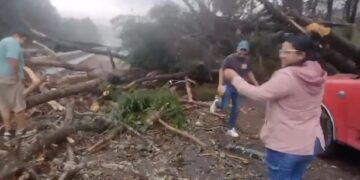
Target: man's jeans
283	166
230	93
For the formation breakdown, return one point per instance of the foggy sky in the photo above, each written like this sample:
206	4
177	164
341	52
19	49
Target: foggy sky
103	9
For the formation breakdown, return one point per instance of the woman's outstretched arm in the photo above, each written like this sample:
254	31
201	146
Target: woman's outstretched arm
277	87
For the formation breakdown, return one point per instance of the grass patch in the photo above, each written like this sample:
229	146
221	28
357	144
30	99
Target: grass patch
135	107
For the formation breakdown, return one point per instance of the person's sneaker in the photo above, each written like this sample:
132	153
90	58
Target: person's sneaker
213	105
232	132
7	135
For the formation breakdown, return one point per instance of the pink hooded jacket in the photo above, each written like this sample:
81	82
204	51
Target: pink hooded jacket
292	121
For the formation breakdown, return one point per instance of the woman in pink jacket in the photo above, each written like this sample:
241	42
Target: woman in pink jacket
291	133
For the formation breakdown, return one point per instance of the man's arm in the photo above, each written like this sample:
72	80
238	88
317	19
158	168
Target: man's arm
270	90
221	76
224	65
252	78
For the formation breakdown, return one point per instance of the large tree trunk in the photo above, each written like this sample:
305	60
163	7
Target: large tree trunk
353	11
340	62
350	10
344	47
61	93
295	5
313	6
330	4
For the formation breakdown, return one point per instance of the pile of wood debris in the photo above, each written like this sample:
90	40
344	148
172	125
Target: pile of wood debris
63	104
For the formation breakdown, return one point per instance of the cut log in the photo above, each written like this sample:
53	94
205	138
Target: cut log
335	41
56	137
35	80
341	63
55	105
74	79
32	87
27	154
47	49
46	63
61	93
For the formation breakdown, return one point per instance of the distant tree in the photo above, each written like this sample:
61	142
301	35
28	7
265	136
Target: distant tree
41	15
350	10
295	5
330	4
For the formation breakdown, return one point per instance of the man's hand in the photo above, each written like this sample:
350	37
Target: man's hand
221	90
318	28
252	78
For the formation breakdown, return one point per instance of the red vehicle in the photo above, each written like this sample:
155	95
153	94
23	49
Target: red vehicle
340	119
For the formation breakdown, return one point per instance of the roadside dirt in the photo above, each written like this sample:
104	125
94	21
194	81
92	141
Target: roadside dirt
181	159
127	156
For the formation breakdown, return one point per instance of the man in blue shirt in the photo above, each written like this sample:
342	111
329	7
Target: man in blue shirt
12	99
239	62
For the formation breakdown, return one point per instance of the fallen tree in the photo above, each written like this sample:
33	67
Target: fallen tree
61	93
331	55
73	45
335	41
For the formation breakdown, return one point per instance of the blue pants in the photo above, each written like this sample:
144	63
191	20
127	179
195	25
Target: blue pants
283	166
230	93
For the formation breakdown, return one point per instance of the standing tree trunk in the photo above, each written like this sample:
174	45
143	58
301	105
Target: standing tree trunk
313	6
251	7
294	5
276	3
346	10
330	4
350	10
353	11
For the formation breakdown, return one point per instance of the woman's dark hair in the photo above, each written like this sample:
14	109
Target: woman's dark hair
306	45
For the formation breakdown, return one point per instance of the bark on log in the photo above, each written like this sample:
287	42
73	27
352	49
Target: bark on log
47	63
35	81
54	138
61	93
73	79
341	63
47	49
55	105
336	43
